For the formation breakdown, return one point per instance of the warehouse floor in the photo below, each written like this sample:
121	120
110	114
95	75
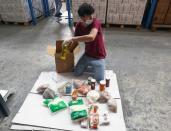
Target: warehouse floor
141	60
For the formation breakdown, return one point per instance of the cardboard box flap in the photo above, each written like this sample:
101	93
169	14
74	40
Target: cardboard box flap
51	50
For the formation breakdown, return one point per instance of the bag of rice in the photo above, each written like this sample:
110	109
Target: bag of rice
55	104
78	110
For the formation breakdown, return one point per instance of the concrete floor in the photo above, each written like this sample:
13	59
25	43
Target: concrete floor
141	60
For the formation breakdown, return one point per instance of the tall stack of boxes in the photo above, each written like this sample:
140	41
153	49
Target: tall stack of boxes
168	16
99	5
162	15
126	12
18	10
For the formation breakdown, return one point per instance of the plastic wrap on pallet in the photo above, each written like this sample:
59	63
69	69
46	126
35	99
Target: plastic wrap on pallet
51	4
100	7
18	10
126	12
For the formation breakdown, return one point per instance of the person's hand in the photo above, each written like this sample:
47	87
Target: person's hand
69	42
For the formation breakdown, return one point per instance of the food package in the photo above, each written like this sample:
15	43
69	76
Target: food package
94	117
81	86
93	96
104	119
42	88
84	123
74	94
55	104
63	88
104	97
77	83
84	89
112	105
47	101
48	94
78	110
77	102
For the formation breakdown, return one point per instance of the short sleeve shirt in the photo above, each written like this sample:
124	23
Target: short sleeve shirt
96	48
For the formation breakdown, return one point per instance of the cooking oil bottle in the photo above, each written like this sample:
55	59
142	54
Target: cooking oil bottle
65	51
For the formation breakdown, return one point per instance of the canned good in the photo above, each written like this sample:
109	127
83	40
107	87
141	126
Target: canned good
89	80
102	85
107	81
68	89
93	84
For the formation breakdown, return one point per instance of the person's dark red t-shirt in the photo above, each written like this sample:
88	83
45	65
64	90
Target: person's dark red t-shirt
96	48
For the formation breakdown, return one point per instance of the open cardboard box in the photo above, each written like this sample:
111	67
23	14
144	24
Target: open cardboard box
75	52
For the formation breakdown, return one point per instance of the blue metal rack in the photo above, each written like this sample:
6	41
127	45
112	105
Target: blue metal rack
68	3
34	20
147	21
44	8
47	8
46	11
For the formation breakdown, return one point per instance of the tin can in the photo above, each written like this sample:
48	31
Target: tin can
102	85
93	84
89	80
107	81
68	89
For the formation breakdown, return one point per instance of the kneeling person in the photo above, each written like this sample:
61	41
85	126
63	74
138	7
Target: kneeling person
89	30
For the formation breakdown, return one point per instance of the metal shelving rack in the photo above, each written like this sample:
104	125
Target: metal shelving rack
149	14
46	11
68	5
34	20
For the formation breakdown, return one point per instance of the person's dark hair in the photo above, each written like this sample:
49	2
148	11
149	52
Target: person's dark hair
85	10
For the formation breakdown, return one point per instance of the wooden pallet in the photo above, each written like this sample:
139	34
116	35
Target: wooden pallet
103	25
122	26
27	23
157	26
15	23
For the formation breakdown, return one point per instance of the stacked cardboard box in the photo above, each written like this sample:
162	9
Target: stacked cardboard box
100	7
18	10
127	12
161	15
168	16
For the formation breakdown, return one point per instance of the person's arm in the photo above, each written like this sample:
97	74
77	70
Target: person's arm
86	38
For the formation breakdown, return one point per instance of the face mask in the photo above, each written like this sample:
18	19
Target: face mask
88	22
